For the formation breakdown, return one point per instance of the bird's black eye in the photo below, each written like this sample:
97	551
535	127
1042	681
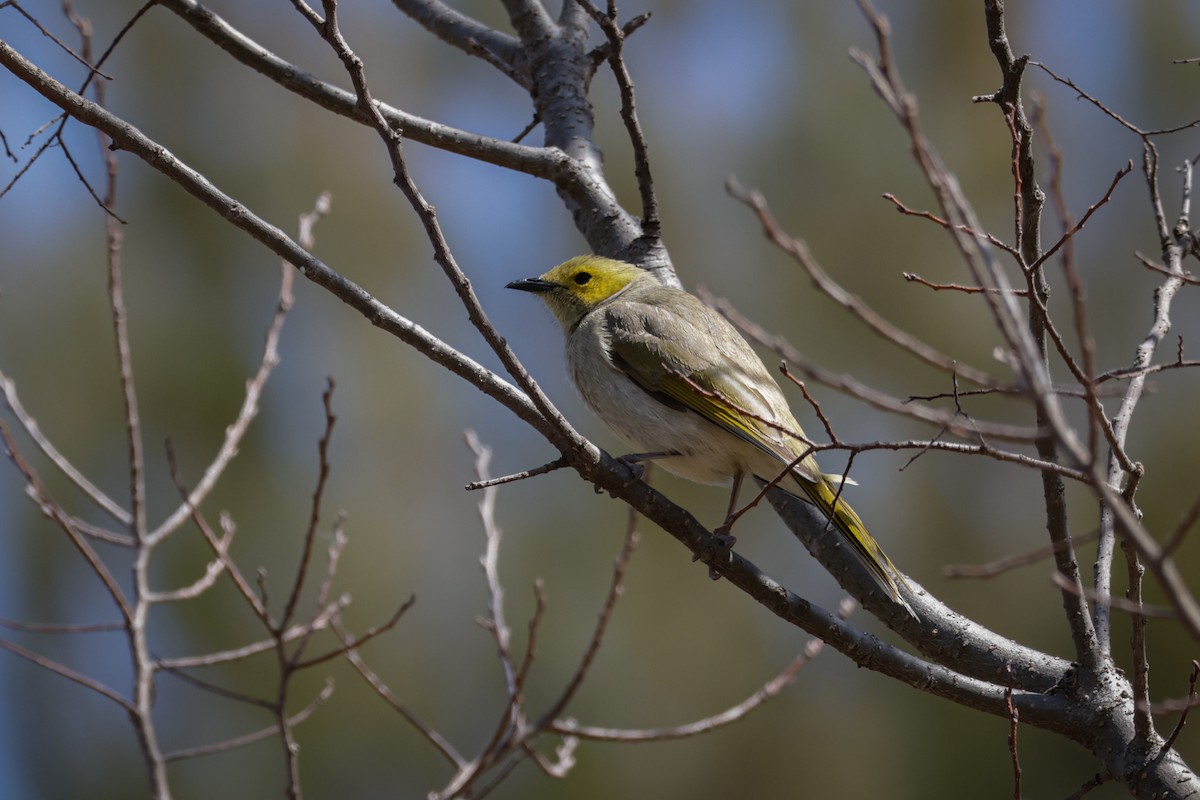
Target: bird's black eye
582	277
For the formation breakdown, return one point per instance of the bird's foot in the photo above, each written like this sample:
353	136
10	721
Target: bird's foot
722	551
636	467
634	462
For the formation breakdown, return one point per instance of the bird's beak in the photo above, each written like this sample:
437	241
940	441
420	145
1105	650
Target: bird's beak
532	285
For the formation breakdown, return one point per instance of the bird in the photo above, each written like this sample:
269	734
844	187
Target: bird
675	379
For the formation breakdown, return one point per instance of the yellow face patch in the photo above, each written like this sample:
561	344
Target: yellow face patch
592	279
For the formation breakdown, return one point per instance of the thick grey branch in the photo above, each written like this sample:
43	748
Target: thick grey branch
961	644
469	35
529	18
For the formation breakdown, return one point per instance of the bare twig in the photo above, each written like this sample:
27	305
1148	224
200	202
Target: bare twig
1094	782
30	426
516	710
39	494
1181	530
1087	215
511	722
1108	111
1186	277
770	689
558	463
496	623
816	407
144	670
220	546
998	567
68	673
82	59
257	736
255	648
381	688
350	644
197	587
651	224
1082	369
1143	723
615	590
1191	699
1013	717
36	627
799	251
1119	509
235	432
912	277
221	691
323	608
314	517
1112	601
84	28
564	756
934	218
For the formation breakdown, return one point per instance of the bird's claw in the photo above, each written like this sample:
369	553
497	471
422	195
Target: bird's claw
721	552
637	468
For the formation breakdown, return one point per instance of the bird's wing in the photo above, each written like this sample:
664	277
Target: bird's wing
733	390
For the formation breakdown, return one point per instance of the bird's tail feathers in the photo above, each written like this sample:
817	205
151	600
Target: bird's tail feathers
824	494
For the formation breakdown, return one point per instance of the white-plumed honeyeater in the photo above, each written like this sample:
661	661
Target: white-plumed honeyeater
675	379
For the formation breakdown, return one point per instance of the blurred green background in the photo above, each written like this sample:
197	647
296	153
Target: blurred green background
764	91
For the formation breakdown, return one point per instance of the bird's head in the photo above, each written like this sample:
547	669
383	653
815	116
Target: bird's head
575	287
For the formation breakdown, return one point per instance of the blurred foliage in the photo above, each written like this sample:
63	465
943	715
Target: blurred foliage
763	91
